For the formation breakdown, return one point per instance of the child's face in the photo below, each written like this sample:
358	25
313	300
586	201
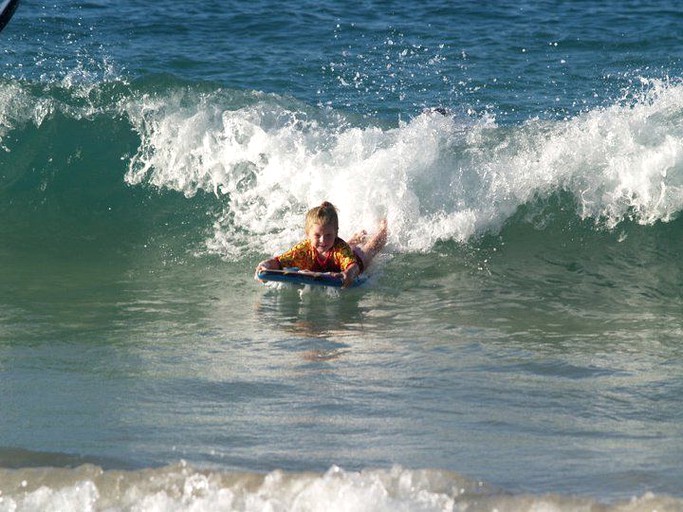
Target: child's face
322	237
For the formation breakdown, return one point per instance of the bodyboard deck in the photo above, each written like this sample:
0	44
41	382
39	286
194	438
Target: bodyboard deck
304	277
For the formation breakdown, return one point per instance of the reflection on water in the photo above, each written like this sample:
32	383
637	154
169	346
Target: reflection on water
312	312
318	315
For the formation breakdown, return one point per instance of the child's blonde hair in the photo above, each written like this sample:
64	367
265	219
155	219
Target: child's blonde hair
324	214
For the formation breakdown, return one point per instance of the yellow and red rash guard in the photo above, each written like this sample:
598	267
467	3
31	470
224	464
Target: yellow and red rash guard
304	256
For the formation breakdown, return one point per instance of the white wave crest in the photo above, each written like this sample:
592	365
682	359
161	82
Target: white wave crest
434	177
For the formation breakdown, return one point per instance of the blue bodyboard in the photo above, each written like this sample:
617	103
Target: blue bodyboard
304	277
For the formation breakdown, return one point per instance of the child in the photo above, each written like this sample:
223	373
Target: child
323	251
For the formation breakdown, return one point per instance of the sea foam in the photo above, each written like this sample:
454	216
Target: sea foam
180	487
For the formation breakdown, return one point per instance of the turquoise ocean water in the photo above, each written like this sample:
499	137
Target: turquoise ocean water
518	346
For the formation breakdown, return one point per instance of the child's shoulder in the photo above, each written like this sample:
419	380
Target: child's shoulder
341	245
300	246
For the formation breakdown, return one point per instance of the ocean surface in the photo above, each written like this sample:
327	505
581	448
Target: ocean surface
518	346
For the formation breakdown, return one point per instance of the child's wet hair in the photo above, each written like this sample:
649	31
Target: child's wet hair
324	214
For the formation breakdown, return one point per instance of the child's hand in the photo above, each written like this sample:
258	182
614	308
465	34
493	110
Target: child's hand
270	264
349	275
347	280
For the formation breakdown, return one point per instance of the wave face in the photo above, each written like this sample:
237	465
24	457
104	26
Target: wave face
161	157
